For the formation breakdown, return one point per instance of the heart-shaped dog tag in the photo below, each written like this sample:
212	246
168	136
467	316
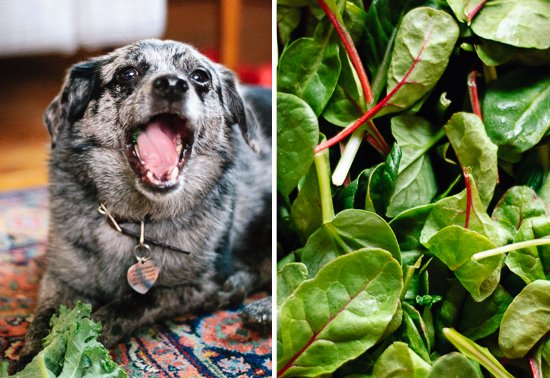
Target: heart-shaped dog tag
143	275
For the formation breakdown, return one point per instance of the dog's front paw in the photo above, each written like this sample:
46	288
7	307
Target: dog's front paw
257	315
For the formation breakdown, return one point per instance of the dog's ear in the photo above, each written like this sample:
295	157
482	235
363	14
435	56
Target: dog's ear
71	102
236	110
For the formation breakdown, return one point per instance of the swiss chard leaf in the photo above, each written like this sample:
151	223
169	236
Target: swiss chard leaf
339	314
518	204
289	278
475	151
423	45
526	320
306	208
297	135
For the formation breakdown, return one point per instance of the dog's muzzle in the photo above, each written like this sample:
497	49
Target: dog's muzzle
158	150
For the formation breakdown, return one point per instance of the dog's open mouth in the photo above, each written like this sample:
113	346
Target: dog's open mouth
158	150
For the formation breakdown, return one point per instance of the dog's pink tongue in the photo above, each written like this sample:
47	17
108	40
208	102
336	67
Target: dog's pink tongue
157	149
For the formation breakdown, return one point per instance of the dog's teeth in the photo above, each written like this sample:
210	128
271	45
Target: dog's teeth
173	174
136	151
151	177
179	146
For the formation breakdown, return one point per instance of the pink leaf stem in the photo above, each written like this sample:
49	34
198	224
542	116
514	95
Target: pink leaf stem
472	92
351	50
470	15
467	178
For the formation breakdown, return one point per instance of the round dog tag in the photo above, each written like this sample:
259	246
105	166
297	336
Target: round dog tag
143	275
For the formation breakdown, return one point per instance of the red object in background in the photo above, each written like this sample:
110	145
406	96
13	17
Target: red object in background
249	74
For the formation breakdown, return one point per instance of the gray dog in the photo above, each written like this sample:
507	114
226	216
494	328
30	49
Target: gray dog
160	191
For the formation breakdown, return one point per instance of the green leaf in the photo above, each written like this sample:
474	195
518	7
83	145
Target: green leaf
493	53
454	365
423	45
515	110
382	182
289	278
415	332
518	204
454	246
309	68
400	361
349	231
347	102
408	225
288	19
339	314
524	23
526	320
415	184
477	353
297	136
480	319
306	212
383	18
452	211
474	151
531	263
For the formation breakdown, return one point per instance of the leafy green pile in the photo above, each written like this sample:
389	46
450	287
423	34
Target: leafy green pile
72	350
428	253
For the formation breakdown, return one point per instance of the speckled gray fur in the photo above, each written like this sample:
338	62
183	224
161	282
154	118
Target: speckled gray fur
220	212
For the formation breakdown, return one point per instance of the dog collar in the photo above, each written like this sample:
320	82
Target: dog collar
123	230
143	274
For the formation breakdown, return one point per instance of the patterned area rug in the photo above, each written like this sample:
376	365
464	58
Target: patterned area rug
212	345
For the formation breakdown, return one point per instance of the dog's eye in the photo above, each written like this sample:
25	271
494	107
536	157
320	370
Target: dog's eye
200	76
128	74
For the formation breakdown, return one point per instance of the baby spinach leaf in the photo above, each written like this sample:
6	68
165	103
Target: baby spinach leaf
289	278
480	319
415	332
415	184
464	10
310	67
477	353
493	53
306	212
454	246
408	225
424	42
526	320
297	135
515	110
349	231
523	23
475	151
454	365
383	180
339	314
288	19
347	101
531	263
400	361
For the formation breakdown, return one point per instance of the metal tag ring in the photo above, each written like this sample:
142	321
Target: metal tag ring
142	252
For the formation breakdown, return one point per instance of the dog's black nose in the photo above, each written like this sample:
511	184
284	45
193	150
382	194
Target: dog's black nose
170	87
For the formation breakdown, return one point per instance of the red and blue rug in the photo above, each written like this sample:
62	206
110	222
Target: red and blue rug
212	345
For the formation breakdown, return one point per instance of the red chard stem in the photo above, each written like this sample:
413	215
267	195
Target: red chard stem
467	178
351	50
472	91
